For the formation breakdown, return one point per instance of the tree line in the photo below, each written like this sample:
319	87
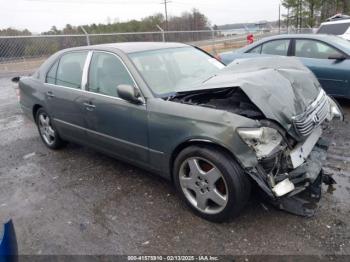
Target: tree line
187	21
310	13
194	20
43	46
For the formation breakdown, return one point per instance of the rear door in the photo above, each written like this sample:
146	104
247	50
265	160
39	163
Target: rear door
114	125
64	95
333	74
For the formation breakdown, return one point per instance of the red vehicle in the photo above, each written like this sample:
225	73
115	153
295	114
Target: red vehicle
250	39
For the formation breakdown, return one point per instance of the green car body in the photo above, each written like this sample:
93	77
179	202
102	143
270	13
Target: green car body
149	139
152	132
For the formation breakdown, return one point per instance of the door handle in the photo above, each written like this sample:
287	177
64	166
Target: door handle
89	106
50	94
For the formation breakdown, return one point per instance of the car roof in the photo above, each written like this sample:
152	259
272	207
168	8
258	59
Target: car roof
337	21
309	36
322	37
132	47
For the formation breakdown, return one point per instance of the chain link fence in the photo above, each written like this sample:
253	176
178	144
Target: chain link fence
26	53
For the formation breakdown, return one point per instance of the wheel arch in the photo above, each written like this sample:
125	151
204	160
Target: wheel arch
36	107
197	142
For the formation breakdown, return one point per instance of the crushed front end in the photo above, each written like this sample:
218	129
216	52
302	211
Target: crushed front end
289	170
283	150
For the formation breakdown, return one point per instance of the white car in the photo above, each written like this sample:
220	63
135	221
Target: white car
337	25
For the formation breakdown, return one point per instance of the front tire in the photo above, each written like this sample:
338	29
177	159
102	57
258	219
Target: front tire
47	131
211	182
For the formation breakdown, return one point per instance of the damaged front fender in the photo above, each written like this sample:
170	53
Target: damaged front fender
201	124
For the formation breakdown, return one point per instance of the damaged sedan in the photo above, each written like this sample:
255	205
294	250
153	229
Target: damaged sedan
216	132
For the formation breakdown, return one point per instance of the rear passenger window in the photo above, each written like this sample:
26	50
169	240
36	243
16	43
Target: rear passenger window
70	69
276	47
51	75
106	73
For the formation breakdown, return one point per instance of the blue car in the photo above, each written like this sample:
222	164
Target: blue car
327	56
8	243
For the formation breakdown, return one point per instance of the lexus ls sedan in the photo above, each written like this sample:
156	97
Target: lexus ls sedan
174	110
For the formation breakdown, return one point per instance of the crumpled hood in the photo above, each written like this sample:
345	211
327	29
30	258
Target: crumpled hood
280	87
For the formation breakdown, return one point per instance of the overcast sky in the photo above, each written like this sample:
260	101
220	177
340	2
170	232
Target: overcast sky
40	15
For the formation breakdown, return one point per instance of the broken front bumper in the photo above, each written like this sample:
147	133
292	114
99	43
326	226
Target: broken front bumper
308	172
307	179
301	186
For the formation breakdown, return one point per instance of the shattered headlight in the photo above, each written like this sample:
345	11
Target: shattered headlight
264	140
334	110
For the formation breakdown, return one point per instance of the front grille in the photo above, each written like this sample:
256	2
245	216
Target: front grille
314	115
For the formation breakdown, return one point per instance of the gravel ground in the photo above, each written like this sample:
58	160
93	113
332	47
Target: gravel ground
78	201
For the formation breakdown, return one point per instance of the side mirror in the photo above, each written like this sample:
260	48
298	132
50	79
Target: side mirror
129	93
338	57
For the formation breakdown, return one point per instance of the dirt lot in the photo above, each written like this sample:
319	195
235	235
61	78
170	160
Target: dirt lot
78	201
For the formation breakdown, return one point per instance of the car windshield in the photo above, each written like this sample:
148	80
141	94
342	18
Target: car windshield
344	44
174	70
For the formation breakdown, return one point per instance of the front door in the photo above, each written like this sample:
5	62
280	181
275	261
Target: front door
333	74
114	125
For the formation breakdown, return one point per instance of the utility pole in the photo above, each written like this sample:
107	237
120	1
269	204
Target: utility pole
300	14
288	20
279	19
165	2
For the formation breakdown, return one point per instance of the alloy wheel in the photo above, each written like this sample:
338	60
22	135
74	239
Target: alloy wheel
46	130
203	185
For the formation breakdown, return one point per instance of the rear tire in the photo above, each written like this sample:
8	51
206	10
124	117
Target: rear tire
47	131
211	182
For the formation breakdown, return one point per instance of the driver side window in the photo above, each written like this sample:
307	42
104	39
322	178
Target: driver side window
106	72
314	49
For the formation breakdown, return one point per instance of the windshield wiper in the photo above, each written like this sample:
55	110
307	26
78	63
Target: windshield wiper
169	96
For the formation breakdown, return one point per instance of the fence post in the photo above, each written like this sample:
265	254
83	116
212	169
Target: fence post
163	34
213	39
86	34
